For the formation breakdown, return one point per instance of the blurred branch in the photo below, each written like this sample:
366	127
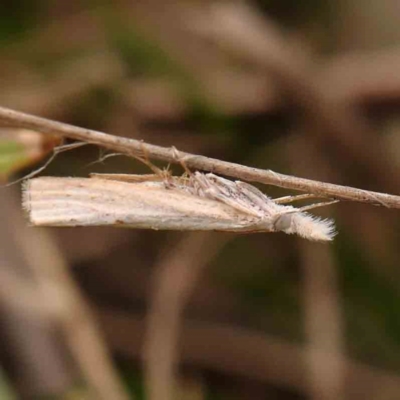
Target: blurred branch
363	78
55	91
39	366
65	309
251	36
134	148
173	283
249	354
323	323
224	86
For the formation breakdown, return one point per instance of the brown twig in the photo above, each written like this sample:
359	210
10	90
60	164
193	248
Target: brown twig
134	147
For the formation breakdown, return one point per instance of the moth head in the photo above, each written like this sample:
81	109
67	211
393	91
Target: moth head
284	223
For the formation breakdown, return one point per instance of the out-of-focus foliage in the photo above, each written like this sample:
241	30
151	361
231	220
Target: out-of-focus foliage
20	149
6	392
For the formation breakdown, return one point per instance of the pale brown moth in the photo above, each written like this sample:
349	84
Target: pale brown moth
195	201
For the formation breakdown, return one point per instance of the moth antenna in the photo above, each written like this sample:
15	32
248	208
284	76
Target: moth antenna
146	160
317	205
290	199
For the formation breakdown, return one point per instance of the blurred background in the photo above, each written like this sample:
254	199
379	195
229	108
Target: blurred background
307	88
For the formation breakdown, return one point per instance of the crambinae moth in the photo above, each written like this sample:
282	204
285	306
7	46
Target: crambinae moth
197	201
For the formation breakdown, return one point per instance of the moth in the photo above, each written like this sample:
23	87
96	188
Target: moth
195	201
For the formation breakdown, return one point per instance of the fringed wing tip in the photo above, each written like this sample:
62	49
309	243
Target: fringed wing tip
324	230
327	230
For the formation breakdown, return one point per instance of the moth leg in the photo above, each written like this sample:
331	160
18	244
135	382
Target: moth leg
128	177
164	174
317	205
202	186
177	156
290	199
146	160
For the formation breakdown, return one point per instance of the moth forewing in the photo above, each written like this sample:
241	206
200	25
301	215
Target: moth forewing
88	202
